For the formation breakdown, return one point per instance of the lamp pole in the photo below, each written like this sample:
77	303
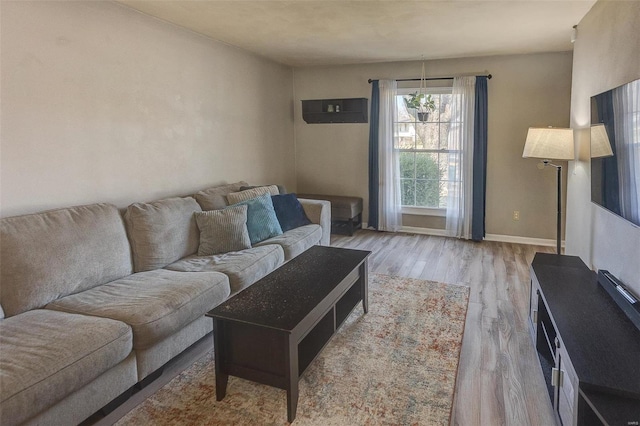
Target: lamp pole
559	217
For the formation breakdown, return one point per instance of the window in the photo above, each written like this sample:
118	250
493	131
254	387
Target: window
422	141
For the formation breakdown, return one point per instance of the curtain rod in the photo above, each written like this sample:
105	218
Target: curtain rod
433	78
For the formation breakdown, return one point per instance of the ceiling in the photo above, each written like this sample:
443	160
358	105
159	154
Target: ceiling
331	32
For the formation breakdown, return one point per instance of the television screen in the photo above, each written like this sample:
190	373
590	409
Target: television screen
615	151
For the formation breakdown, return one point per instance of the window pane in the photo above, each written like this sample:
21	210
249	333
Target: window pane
445	108
408	192
427	193
435	115
427	166
407	165
444	135
443	194
427	136
443	161
405	114
404	136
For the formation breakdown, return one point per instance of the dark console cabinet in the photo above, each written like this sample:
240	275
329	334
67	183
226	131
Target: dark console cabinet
588	349
352	110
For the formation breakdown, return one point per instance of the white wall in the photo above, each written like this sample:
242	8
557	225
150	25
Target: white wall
606	55
526	90
102	103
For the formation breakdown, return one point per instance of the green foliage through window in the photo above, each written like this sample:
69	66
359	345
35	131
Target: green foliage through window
420	179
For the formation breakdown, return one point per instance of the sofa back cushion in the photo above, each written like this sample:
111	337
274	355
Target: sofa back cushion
49	255
215	198
162	232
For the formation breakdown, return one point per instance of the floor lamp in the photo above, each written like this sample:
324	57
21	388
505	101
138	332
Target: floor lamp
549	143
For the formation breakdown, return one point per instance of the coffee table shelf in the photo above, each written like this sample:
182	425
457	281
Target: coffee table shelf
272	331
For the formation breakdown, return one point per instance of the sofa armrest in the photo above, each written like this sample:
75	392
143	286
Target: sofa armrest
319	212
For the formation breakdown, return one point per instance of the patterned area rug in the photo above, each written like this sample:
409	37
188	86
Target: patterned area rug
395	365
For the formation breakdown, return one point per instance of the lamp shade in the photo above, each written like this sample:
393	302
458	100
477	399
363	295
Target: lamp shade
549	143
600	144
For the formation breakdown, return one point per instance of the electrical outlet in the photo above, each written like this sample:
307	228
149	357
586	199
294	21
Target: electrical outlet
516	215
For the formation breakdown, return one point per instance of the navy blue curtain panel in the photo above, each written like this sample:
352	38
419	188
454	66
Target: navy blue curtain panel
374	168
479	161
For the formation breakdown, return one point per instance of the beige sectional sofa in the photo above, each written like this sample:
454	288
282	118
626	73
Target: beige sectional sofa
93	301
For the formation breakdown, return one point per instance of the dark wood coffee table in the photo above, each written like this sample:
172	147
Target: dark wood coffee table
271	332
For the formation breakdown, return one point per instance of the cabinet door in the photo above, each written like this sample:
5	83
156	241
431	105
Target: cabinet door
533	307
566	388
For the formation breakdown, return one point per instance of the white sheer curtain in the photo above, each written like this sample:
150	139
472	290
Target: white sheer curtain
626	110
390	203
460	144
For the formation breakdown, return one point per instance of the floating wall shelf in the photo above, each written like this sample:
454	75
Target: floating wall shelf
353	110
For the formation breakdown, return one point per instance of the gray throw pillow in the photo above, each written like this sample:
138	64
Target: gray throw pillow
249	194
222	231
215	197
281	188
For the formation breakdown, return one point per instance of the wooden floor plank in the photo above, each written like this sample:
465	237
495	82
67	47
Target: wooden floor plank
516	410
432	257
466	408
492	409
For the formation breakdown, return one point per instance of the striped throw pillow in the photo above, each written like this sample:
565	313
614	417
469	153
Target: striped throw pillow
222	231
249	194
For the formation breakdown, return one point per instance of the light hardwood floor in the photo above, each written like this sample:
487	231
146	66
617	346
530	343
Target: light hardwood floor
499	378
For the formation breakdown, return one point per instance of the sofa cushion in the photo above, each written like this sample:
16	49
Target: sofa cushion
248	194
262	222
49	255
242	267
215	198
297	240
42	361
155	304
289	211
222	231
162	232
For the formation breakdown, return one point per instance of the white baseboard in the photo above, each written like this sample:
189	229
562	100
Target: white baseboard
489	237
522	240
416	230
424	231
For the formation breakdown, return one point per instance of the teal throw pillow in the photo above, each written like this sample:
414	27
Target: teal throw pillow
262	222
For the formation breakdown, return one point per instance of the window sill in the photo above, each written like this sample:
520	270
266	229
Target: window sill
424	211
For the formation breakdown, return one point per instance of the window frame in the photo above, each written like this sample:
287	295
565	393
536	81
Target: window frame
423	210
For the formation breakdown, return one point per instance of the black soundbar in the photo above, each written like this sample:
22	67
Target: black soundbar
623	297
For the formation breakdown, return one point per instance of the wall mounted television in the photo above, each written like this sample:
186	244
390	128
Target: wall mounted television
615	151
